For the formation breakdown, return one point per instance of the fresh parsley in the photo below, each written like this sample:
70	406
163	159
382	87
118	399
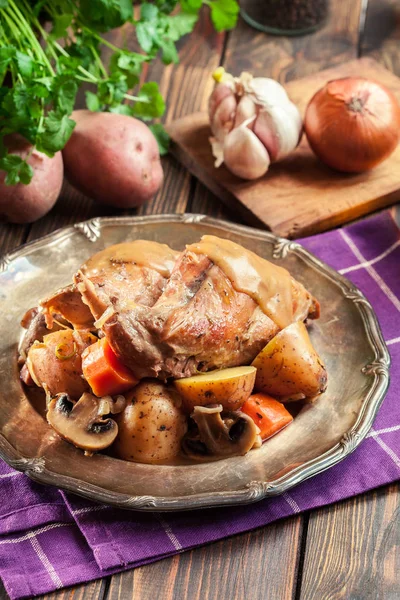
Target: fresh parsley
50	48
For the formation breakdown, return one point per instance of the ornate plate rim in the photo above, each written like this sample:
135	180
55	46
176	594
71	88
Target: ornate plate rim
256	490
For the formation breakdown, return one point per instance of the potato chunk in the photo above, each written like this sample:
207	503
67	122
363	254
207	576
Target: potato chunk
151	427
289	366
229	387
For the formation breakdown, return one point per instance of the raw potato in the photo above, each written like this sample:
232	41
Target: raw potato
55	375
152	426
289	367
230	387
113	159
26	203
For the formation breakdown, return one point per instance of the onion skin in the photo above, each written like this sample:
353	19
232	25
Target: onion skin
353	124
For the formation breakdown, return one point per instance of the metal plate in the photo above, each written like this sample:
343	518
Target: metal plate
347	336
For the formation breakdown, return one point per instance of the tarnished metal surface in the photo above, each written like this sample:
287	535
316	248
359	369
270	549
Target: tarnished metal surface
347	336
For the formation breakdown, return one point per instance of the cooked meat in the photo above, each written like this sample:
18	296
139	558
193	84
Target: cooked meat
199	322
26	377
68	303
117	278
125	274
35	324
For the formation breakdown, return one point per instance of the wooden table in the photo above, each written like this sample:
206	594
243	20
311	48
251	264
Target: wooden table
350	550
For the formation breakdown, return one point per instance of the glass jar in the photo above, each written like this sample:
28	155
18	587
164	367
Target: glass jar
285	17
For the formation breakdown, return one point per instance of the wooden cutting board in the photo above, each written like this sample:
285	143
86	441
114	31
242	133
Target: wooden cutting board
298	196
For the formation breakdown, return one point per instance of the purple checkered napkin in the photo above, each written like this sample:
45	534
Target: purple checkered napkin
49	539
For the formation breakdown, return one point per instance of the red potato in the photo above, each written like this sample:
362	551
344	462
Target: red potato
26	203
113	158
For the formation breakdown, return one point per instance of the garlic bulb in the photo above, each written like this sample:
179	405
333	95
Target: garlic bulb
253	123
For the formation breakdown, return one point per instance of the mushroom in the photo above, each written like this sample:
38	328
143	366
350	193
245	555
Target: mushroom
220	435
82	423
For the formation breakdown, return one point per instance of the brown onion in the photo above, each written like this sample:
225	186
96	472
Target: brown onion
353	124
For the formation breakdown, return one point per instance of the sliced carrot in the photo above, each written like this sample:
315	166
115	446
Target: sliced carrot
104	371
267	413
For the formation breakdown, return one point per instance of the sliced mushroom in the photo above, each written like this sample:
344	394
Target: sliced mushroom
220	435
82	423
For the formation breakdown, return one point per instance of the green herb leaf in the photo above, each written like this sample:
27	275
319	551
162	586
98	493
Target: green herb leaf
169	52
42	87
224	14
17	169
191	5
80	54
166	6
148	12
25	64
151	104
60	26
57	131
65	91
16	102
146	32
6	54
112	91
25	173
128	64
92	101
162	138
106	14
3	3
122	109
179	25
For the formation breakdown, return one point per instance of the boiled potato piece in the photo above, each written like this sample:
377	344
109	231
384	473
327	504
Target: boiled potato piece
152	425
289	366
55	364
229	387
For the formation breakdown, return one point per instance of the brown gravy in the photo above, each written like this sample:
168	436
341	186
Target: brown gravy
269	285
145	253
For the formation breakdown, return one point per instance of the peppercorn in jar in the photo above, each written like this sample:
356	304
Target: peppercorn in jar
285	17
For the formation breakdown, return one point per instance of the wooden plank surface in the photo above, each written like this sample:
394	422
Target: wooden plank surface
95	590
245	567
353	549
271	558
287	58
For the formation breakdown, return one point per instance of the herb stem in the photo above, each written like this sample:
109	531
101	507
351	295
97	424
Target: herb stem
136	98
29	32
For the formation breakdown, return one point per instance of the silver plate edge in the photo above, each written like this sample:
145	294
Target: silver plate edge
256	490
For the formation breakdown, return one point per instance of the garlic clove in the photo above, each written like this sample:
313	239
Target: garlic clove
264	128
267	92
279	128
224	117
220	92
244	154
295	115
217	148
246	109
